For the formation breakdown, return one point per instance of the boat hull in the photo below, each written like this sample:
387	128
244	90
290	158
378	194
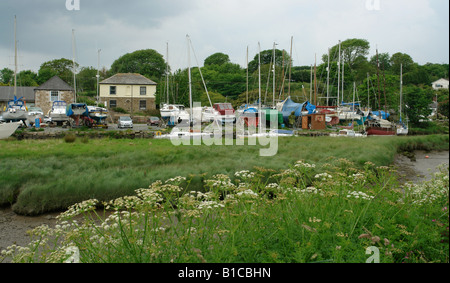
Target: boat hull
7	129
378	131
15	116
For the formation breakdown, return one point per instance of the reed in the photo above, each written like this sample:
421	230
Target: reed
43	176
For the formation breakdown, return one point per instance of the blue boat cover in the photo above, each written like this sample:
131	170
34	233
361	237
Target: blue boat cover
381	114
290	106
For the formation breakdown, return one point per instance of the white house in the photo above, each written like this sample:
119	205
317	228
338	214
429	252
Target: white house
439	84
130	91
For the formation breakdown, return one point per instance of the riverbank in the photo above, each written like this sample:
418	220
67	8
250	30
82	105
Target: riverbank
13	227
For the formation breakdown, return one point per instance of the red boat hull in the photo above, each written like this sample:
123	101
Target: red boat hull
378	131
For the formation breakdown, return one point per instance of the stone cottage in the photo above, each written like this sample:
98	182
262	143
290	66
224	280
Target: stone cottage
129	91
55	89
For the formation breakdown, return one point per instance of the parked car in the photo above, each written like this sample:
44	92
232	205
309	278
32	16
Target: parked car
125	122
154	121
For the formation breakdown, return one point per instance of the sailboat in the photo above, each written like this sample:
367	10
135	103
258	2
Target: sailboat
16	109
186	121
172	114
402	129
377	125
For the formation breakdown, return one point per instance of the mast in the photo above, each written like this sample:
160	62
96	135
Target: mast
328	78
273	95
189	74
246	106
259	84
339	73
315	80
98	74
73	62
15	57
167	73
290	68
401	90
378	81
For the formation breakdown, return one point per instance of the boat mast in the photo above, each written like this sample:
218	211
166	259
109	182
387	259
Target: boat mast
73	62
401	90
246	106
15	57
328	78
259	84
98	74
290	68
190	82
339	74
315	79
273	95
167	72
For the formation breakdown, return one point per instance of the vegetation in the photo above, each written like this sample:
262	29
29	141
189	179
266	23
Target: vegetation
302	212
40	176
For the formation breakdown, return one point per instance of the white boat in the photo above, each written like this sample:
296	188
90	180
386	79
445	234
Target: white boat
15	111
7	129
58	112
347	133
172	113
270	133
35	113
97	113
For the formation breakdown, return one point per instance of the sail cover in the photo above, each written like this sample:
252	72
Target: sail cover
290	106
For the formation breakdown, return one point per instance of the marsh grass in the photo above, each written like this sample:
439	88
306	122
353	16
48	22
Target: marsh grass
44	176
305	213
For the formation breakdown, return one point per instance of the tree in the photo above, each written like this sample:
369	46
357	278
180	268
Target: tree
402	59
146	62
62	68
6	76
217	59
351	50
267	58
417	102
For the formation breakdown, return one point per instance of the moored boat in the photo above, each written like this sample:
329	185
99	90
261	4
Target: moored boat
7	129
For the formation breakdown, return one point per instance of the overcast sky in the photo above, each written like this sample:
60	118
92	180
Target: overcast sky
419	28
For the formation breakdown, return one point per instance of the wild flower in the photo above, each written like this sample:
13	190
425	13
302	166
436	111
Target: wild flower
79	208
359	195
323	176
245	174
247	194
302	164
175	180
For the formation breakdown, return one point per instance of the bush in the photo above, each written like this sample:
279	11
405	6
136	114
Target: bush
70	138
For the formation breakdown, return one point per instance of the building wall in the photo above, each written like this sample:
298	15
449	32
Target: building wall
43	99
129	97
128	104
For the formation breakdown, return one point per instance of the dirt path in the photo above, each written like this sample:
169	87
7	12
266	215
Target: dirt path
13	227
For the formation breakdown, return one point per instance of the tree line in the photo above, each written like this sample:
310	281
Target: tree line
374	80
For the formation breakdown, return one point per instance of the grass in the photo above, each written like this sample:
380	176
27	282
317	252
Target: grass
42	176
303	213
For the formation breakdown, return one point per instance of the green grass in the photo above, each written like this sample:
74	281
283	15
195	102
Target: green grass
43	176
292	215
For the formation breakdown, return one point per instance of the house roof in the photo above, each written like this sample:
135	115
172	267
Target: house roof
128	79
7	93
440	80
55	83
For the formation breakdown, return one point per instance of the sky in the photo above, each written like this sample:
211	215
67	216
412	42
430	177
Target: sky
419	28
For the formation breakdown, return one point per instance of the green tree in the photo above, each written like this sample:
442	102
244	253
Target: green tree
62	68
351	50
27	78
217	59
401	59
146	62
6	76
417	102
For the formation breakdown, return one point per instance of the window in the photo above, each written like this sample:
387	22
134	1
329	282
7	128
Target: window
143	90
112	104
112	90
142	104
54	95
